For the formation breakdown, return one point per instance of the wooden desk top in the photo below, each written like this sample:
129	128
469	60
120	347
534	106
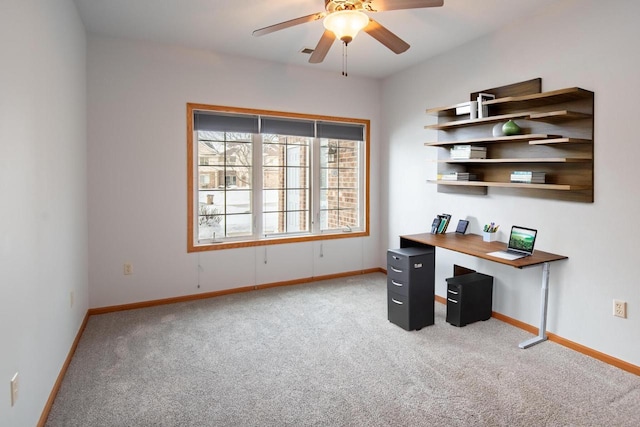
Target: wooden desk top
472	244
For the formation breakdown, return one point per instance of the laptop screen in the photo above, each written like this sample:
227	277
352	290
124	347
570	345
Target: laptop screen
522	239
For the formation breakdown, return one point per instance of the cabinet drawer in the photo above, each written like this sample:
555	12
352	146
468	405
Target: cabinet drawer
397	285
397	272
454	293
398	309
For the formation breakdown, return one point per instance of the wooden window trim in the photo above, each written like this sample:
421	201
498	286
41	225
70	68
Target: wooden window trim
192	247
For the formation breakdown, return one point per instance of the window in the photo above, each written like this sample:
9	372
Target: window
265	177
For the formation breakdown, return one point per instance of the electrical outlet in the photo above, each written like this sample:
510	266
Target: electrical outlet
128	268
14	389
620	308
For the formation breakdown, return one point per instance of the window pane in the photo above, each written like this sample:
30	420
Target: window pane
239	225
210	224
224	184
238	153
348	154
329	199
338	219
339	183
273	177
273	223
209	177
273	200
297	200
212	198
238	177
329	178
286	171
211	153
297	222
238	201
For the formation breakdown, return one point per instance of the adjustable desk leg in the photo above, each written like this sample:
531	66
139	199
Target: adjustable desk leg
542	332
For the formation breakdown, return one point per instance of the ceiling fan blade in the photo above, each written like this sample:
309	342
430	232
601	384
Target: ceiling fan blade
290	23
381	5
322	48
386	37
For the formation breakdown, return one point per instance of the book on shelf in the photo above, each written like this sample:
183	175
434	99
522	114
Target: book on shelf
461	152
457	176
528	177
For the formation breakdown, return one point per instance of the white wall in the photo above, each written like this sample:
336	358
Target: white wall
43	220
586	43
137	168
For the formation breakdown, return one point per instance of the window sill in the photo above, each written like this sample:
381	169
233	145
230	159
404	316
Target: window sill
191	247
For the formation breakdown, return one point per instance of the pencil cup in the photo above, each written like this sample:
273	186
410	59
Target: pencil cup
489	237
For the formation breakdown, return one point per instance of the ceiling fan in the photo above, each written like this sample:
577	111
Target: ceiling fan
343	19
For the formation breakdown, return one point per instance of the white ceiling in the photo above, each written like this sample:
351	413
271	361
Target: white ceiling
225	26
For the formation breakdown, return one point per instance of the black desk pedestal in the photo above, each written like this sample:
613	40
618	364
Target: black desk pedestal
410	287
469	298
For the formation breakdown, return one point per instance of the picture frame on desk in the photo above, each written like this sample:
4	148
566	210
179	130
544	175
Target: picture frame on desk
462	226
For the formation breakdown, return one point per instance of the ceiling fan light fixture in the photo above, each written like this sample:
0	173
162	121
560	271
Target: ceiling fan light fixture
346	24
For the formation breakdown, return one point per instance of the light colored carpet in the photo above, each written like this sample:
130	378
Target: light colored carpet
324	354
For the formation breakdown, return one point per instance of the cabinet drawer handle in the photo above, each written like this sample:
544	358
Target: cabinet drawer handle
452	300
396	270
397	258
396	301
452	292
397	284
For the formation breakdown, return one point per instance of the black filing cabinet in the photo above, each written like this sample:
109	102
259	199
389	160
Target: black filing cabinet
469	298
410	287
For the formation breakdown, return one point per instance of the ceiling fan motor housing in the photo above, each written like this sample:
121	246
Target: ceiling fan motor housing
338	5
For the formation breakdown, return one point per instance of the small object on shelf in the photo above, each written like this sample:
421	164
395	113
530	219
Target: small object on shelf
483	110
497	130
463	108
511	128
473	110
463	152
457	176
528	177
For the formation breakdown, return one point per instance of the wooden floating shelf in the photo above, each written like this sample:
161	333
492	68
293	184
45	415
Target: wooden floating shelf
559	116
512	138
561	187
447	111
519	160
547	116
562	141
472	122
543	99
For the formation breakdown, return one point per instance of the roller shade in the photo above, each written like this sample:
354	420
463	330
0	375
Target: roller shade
225	122
351	132
293	127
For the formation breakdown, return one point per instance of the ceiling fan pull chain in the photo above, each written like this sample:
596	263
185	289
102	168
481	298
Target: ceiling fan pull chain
344	59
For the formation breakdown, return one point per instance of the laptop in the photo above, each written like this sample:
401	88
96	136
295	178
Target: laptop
521	241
